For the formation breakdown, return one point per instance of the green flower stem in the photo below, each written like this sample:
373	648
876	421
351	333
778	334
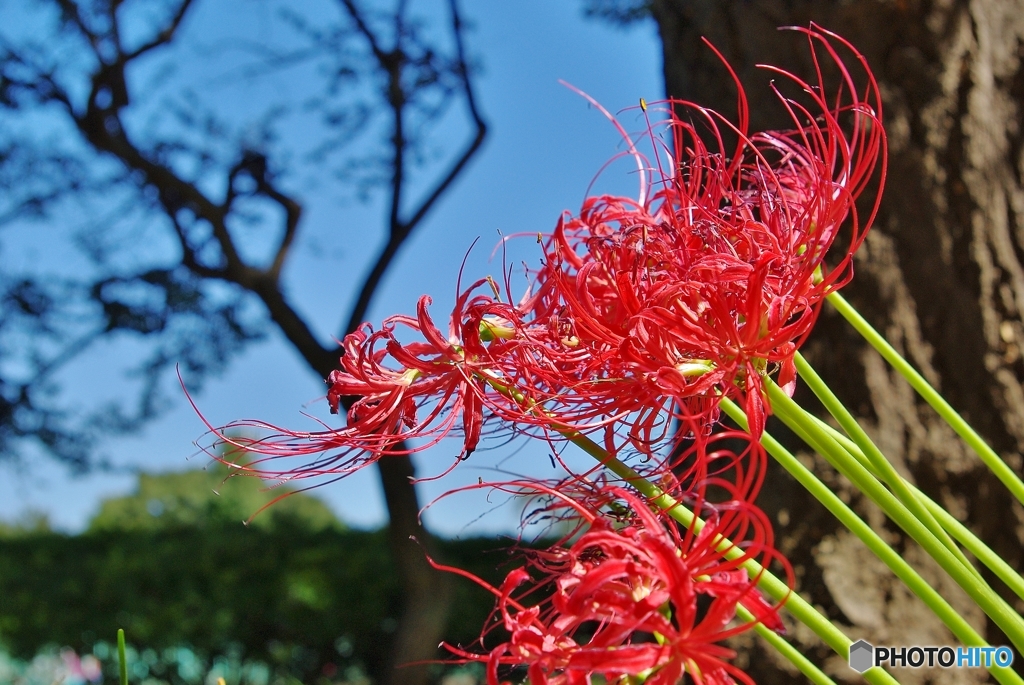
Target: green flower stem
792	654
976	546
883	467
984	596
121	660
796	605
899	566
930	395
959	532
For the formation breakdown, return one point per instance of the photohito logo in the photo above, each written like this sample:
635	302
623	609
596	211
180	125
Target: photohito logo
864	655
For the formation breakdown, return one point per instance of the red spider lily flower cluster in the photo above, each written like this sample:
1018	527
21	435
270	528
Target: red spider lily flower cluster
643	315
624	595
645	312
724	266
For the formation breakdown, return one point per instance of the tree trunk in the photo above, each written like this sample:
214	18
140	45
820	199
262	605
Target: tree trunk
426	592
941	274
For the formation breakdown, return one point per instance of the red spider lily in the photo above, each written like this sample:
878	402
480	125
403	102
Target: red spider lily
725	264
396	392
625	597
644	313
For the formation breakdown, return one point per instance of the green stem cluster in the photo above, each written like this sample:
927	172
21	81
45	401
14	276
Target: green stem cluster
930	395
905	517
856	525
960	533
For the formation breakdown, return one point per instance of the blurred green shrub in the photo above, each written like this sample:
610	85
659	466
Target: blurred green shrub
174	566
208	497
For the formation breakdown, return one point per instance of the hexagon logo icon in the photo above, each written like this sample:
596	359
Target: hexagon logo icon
862	656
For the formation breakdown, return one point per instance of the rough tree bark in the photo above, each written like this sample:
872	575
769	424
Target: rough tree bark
942	275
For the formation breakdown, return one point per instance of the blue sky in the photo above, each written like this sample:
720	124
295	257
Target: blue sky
545	147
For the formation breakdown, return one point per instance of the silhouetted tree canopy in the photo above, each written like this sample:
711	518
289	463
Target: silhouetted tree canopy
156	157
153	186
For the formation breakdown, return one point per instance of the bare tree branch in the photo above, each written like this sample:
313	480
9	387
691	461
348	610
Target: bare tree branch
400	230
364	29
72	12
161	38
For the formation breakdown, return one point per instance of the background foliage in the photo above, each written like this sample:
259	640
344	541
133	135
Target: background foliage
173	566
